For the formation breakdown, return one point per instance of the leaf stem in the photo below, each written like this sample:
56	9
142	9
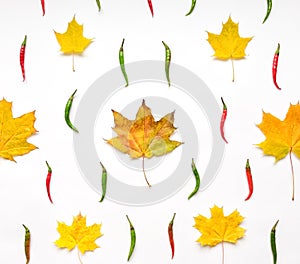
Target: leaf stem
222	252
73	64
293	177
79	257
143	165
232	69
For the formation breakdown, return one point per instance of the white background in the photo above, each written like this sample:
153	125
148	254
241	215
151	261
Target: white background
50	82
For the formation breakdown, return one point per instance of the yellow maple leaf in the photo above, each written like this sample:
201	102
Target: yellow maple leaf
229	44
72	41
282	137
78	234
144	137
14	132
219	228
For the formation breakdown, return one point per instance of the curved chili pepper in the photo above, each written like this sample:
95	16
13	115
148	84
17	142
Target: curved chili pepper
48	180
269	2
22	56
150	7
223	119
249	179
132	238
171	237
67	112
99	5
275	65
121	60
43	6
27	244
167	62
192	7
273	242
197	178
104	182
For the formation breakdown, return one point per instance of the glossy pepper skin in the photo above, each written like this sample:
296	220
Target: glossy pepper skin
269	3
273	242
192	7
171	236
22	57
43	6
48	180
167	62
223	119
103	182
249	179
27	244
197	179
150	7
132	239
274	67
67	112
122	63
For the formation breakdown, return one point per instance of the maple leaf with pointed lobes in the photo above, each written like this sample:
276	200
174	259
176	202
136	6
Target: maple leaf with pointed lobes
229	44
78	234
72	41
144	137
282	137
219	228
14	132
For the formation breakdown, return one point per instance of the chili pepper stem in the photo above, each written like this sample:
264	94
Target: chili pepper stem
143	166
78	253
293	177
172	221
232	69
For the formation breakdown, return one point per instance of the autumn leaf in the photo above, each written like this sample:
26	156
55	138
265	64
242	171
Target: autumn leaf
282	137
229	44
72	41
78	234
144	137
14	132
219	228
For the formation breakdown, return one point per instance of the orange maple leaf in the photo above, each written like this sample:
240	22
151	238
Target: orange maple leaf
14	132
144	137
282	137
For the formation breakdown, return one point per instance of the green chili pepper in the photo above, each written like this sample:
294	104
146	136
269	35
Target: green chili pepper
27	244
273	242
133	238
197	178
192	7
67	112
104	181
99	5
122	65
268	10
167	62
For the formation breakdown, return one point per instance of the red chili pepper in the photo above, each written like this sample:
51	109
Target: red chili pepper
223	119
22	56
43	6
275	65
151	7
170	232
249	179
48	179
